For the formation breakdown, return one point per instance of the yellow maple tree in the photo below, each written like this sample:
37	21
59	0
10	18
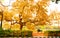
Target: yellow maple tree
33	12
29	11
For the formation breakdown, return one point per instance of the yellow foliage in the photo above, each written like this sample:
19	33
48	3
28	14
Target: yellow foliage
16	17
7	15
19	5
15	27
6	26
54	15
30	26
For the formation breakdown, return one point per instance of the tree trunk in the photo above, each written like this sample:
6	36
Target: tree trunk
1	17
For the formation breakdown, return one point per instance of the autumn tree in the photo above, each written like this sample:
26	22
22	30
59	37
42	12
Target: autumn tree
24	11
54	17
7	16
31	11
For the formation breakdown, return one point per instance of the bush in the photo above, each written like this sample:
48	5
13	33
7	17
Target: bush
52	33
26	33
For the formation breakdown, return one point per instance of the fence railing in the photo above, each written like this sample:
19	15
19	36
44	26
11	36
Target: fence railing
35	37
